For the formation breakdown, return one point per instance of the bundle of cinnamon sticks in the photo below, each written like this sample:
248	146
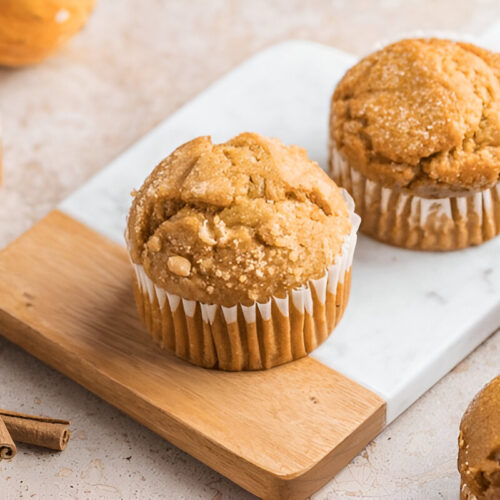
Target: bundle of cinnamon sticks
31	429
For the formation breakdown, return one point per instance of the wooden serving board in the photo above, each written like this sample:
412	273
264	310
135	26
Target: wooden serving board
66	297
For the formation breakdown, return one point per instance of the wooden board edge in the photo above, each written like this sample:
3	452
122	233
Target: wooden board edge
304	484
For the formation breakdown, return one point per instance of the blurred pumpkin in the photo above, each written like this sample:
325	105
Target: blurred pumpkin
31	29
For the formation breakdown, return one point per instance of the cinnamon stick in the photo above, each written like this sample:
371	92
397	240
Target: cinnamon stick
7	446
50	433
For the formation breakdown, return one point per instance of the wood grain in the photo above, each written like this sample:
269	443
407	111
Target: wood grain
66	297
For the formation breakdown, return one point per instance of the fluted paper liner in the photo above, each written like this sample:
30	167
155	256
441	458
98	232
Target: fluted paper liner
253	337
399	218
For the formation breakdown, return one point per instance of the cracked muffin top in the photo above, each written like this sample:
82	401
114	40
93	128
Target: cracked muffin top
422	114
236	222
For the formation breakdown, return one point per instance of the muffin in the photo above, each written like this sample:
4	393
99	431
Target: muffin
415	138
479	445
242	252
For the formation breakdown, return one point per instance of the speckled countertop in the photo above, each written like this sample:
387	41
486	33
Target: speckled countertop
133	65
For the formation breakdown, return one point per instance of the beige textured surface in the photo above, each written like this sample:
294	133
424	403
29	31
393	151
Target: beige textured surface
65	119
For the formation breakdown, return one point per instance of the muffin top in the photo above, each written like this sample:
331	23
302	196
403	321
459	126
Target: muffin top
479	443
422	114
236	222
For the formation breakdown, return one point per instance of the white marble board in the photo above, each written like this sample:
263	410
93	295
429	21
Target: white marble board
412	316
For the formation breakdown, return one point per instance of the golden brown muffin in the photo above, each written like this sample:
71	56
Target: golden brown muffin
230	224
415	137
479	445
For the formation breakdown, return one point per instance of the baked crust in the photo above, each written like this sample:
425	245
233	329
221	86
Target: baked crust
236	222
423	115
479	444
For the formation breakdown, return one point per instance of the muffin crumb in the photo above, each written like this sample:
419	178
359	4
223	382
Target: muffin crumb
154	244
179	265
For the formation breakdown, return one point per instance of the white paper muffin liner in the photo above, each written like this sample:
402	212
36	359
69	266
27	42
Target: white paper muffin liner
399	218
253	337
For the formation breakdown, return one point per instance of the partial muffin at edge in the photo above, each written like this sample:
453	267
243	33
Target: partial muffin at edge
479	445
